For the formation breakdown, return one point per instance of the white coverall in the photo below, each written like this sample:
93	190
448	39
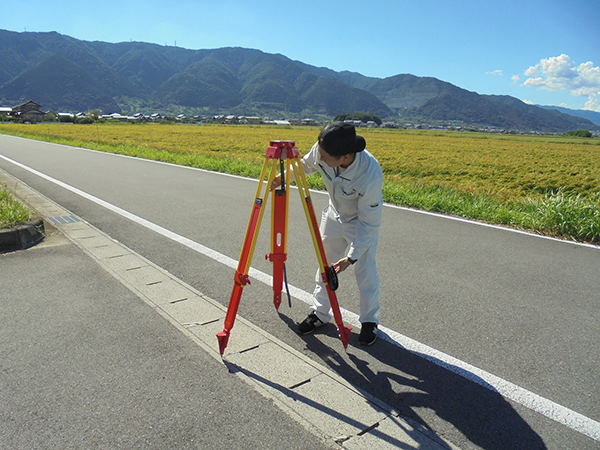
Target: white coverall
350	223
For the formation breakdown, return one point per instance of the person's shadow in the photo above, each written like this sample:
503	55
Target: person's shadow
413	384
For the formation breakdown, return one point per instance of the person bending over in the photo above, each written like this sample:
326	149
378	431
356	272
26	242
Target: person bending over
350	223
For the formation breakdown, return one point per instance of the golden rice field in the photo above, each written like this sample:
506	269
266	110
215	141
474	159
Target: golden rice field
521	173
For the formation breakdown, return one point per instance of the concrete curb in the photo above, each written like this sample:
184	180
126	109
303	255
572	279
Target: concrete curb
22	237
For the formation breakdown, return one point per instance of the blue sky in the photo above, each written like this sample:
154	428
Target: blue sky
541	51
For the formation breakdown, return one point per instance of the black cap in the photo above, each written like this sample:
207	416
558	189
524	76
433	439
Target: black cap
339	139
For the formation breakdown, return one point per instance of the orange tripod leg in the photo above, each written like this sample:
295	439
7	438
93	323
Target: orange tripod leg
279	223
241	274
278	254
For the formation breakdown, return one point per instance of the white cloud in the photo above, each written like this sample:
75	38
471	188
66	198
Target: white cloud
533	82
532	71
515	79
560	73
593	104
495	72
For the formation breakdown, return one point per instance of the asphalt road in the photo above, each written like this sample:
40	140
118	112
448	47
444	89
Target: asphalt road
519	307
87	365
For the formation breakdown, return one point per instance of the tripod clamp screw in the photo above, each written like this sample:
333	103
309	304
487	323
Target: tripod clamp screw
241	279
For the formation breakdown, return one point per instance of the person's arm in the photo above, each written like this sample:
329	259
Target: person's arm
343	264
370	206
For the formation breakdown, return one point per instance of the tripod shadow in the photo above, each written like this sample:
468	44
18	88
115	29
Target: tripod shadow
412	385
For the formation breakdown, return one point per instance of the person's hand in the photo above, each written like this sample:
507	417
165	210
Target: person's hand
276	182
341	265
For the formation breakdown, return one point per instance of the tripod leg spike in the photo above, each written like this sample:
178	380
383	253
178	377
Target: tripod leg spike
277	301
344	335
223	338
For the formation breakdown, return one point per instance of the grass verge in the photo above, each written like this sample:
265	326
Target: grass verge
558	214
12	212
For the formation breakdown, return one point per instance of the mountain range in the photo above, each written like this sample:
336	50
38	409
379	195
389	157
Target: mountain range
592	116
66	74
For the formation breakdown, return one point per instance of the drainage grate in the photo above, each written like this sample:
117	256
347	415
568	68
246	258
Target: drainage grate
63	219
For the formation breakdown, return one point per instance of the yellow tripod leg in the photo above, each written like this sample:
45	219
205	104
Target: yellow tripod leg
309	211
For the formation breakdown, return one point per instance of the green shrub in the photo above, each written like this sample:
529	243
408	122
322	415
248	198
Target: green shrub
580	133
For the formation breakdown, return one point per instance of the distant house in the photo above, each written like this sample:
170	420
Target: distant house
114	116
138	117
65	117
278	122
255	120
309	122
28	112
5	111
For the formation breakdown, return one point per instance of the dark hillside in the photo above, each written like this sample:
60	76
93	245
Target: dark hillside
66	74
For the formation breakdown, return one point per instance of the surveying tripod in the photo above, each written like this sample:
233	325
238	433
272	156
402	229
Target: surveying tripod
286	155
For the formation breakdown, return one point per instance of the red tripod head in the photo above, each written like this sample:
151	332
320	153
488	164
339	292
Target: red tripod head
282	150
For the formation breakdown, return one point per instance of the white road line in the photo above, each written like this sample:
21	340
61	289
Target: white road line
548	408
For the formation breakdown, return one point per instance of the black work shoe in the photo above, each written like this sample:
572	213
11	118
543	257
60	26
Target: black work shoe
368	333
310	323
